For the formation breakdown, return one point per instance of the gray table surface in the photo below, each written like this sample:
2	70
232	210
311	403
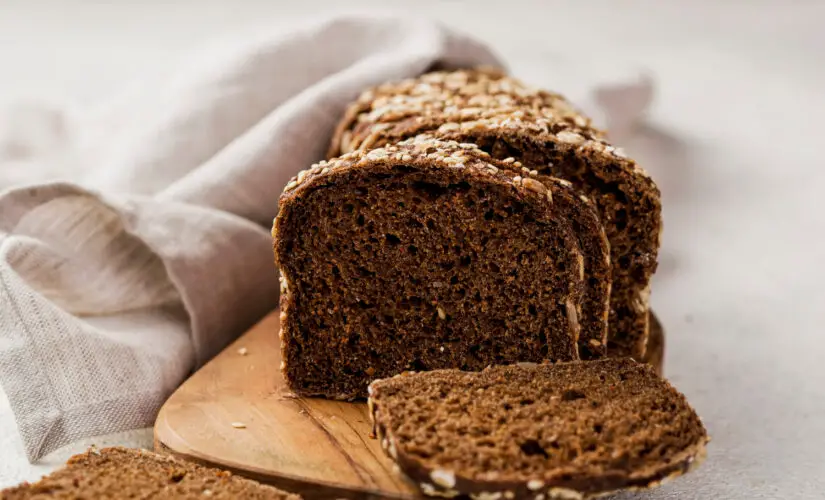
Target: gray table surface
734	140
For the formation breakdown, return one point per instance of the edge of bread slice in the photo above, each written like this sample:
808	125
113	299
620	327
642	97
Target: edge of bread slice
571	430
116	472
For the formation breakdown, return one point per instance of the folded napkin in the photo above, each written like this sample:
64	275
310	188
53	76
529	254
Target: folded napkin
134	237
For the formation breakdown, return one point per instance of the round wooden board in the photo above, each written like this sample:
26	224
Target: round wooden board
316	447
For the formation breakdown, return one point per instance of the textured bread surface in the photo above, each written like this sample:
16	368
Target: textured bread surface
590	236
545	133
114	473
569	430
584	221
419	256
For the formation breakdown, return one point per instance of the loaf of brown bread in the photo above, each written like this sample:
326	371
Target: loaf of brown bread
571	430
115	473
424	255
545	133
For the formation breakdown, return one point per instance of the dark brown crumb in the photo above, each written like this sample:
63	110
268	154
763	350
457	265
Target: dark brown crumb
418	256
577	429
114	473
595	250
545	133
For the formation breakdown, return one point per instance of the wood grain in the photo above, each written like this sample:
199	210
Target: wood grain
316	447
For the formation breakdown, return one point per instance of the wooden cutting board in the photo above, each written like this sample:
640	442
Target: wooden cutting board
316	447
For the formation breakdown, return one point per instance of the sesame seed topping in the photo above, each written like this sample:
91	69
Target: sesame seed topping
580	262
243	351
377	154
443	478
535	484
569	137
239	425
534	185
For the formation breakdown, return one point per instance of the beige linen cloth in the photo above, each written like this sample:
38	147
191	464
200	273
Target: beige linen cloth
155	251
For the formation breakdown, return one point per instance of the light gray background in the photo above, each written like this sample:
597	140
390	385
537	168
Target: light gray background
735	140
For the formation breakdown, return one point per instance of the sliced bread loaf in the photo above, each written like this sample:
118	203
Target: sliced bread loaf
570	430
418	256
545	133
114	473
581	213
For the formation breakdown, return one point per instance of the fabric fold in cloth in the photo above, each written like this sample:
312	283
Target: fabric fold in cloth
112	293
140	245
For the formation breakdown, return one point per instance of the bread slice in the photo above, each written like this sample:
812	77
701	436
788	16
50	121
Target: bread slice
570	430
418	256
595	250
590	236
114	473
581	213
544	132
